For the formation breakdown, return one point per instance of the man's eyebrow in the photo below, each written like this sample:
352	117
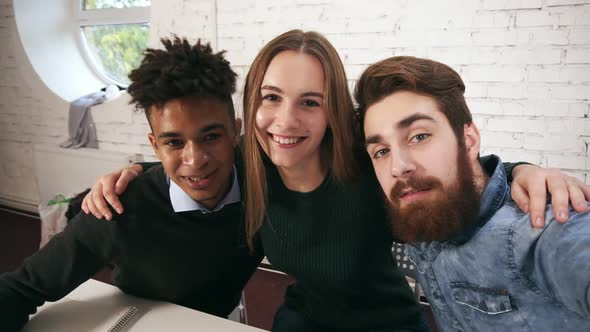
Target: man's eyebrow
373	139
172	134
211	127
168	134
405	123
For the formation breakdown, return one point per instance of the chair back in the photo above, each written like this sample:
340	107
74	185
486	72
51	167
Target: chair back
403	262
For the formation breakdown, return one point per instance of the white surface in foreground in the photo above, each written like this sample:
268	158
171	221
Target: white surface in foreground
95	306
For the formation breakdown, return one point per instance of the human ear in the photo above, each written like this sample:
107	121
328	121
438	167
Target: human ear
472	140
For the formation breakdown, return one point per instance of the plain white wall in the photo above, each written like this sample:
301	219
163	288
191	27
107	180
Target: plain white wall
526	65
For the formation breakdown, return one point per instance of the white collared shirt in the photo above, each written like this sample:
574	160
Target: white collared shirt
182	202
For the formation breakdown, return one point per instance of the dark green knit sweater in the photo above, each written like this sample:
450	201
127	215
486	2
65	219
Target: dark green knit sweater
335	242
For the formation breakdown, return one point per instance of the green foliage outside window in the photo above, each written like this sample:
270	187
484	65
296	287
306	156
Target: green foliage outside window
118	48
100	4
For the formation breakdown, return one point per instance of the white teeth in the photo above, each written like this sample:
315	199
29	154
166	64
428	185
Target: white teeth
285	140
194	179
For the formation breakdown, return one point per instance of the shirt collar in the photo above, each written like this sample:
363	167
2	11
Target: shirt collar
492	199
497	191
182	202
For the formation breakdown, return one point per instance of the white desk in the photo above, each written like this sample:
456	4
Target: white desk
94	306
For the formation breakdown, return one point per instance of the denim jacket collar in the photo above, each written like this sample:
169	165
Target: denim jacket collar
492	199
496	193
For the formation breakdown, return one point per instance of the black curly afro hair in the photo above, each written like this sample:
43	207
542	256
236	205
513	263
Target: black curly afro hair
181	70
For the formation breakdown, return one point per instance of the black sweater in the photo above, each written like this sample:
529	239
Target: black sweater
198	260
336	243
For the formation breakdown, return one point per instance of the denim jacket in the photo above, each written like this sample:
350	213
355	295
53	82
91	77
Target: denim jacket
506	275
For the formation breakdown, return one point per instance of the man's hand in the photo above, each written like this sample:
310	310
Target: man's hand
529	191
108	187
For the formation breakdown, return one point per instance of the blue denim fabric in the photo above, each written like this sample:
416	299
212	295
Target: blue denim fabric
506	275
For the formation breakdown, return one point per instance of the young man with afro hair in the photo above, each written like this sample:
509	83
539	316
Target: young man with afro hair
181	237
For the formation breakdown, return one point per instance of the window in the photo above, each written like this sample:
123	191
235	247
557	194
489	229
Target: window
114	34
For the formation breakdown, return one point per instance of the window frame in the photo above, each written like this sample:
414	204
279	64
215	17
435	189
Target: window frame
106	16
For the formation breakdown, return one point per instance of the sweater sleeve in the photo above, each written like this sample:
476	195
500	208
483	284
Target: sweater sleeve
68	260
148	165
488	165
509	167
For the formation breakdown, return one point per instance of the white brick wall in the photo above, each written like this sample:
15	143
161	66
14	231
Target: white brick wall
526	64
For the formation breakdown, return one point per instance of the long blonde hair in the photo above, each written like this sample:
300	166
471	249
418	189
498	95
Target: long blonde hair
338	144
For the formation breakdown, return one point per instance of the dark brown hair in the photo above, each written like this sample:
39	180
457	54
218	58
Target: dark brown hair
181	70
423	76
338	143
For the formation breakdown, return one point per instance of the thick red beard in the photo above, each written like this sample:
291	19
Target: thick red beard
448	213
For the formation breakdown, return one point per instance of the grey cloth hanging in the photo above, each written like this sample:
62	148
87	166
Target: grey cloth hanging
81	128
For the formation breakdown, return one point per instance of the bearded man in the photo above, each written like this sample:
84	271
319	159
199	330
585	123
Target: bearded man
481	264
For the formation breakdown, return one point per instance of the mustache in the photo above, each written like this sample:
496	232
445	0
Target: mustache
416	183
